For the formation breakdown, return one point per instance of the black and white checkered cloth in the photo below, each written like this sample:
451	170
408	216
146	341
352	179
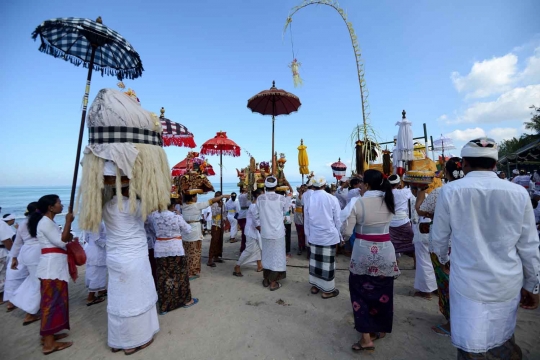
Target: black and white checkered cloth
174	128
123	134
322	261
71	39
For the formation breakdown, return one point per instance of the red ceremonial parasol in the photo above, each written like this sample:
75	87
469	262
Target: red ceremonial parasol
274	102
175	133
339	169
220	145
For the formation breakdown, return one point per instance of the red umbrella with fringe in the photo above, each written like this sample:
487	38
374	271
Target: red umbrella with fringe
174	133
220	145
274	102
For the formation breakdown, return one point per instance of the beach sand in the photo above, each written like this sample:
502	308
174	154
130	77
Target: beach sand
239	319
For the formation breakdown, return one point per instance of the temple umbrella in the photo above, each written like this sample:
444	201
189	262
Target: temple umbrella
441	144
303	161
274	102
404	150
339	169
175	133
96	47
220	145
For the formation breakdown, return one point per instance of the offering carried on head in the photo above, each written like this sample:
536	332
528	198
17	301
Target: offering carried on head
419	177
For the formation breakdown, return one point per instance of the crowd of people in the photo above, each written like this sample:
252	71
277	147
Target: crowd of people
150	262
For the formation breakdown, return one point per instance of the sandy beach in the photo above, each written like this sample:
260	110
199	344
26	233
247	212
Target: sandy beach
239	319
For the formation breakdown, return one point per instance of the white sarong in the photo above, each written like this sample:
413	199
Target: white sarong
14	279
273	254
251	253
234	225
424	278
478	327
28	296
96	278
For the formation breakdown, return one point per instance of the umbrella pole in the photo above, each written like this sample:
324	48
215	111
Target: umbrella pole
81	130
273	162
221	189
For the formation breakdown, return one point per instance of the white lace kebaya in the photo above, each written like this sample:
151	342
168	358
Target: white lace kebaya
170	226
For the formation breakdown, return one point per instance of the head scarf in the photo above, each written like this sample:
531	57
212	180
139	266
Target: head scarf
270	184
394	179
481	147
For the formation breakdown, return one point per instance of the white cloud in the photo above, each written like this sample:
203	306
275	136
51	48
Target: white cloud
467	134
513	105
499	134
487	77
531	73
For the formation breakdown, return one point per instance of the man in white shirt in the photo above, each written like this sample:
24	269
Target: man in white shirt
354	190
207	217
322	224
232	208
341	193
269	211
522	179
495	257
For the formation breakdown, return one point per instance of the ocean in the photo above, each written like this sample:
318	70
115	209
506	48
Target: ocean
15	199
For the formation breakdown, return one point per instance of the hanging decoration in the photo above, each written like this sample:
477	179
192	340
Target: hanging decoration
294	66
339	169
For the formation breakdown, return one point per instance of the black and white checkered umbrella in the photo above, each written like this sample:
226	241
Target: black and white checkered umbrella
74	39
96	47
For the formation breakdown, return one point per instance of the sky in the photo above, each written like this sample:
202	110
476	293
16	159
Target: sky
466	69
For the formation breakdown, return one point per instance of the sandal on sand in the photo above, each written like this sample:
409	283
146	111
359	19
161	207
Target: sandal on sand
115	350
10	309
232	241
314	290
137	349
96	301
211	265
33	321
195	301
239	274
58	347
266	283
57	337
333	294
439	330
219	261
260	270
194	277
358	347
276	288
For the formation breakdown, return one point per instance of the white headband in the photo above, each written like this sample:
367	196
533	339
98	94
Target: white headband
481	147
319	182
269	184
9	217
397	180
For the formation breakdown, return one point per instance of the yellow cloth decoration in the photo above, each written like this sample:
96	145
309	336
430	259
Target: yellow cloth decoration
303	161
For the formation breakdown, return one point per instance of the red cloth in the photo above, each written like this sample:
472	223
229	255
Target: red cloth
71	260
374	238
301	236
54	305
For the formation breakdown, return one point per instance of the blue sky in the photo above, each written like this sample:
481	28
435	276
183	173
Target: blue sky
464	68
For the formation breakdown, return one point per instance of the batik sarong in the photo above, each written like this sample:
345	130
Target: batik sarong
193	250
402	238
54	306
443	289
172	283
216	244
322	267
372	299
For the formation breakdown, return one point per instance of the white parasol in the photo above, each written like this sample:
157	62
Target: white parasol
404	150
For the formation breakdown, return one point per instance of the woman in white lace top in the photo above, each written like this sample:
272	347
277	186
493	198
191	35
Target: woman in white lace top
373	265
172	272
